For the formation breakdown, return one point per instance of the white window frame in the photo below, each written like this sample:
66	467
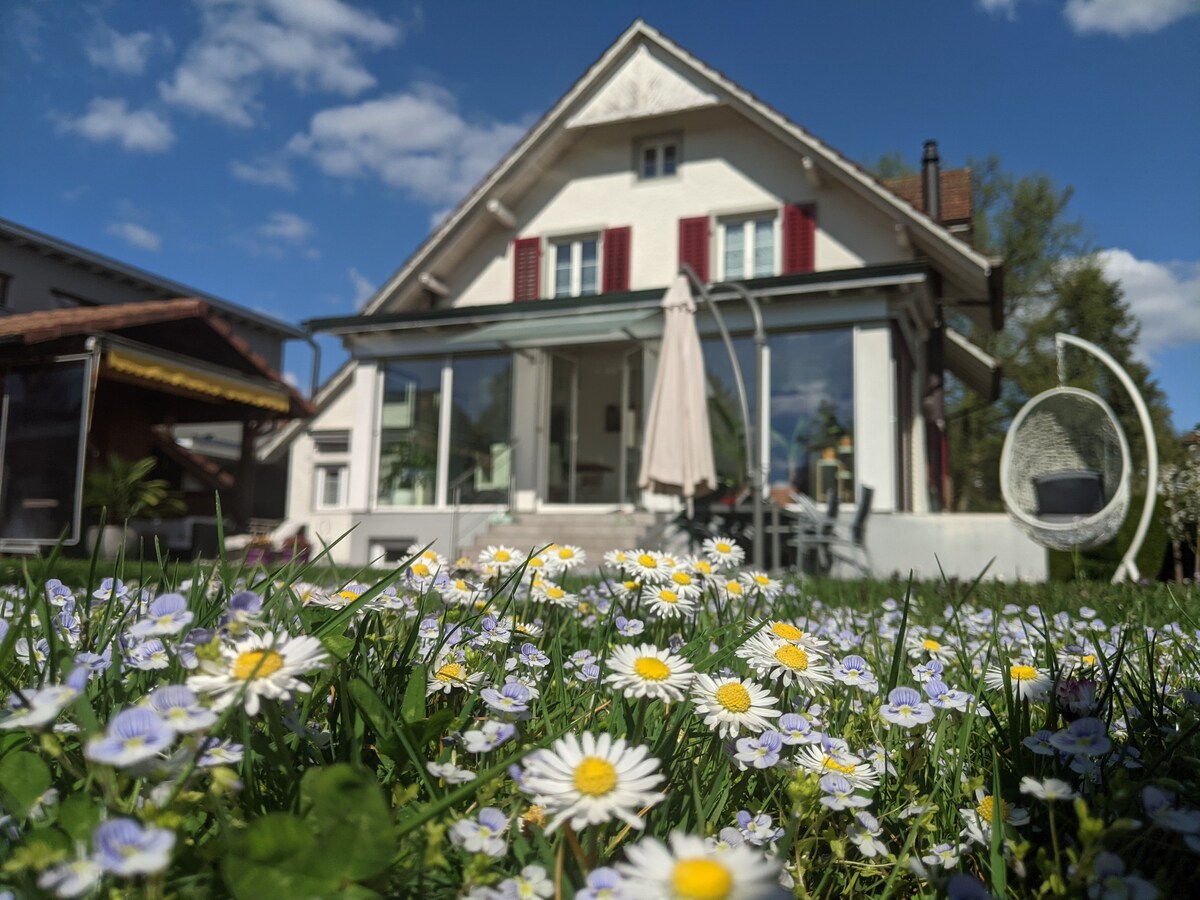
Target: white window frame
575	242
657	144
323	470
755	220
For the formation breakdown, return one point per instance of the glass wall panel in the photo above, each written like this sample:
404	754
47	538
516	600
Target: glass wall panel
812	411
42	421
480	428
408	443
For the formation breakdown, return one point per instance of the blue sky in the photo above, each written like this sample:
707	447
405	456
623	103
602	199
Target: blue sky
289	154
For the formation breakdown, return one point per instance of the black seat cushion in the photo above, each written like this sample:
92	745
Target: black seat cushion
1069	494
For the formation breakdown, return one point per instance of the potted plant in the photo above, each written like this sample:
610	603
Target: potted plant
125	490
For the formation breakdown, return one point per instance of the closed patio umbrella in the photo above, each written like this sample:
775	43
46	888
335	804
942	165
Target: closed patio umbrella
677	457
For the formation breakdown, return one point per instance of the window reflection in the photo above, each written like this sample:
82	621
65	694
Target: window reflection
480	443
409	433
811	416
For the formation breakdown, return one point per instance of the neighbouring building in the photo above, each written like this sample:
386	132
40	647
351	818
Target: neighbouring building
499	379
99	358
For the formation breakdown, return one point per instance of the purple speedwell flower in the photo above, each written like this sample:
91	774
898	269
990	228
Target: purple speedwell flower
906	708
488	737
1083	737
168	614
178	706
760	751
485	835
133	736
124	847
797	729
512	698
602	884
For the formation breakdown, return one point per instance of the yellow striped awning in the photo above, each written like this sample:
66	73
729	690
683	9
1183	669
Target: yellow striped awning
197	379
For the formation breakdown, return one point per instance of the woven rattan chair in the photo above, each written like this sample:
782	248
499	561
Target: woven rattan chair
1065	470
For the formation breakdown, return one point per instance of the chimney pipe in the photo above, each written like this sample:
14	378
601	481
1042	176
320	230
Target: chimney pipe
931	181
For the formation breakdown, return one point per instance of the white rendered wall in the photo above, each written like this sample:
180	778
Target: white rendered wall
875	452
728	167
964	543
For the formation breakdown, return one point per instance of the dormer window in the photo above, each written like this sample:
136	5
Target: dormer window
658	157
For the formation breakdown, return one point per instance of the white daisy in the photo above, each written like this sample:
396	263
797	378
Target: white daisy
500	560
786	631
647	566
724	552
259	665
646	671
688	869
450	673
548	592
763	583
779	660
590	780
832	755
729	705
666	602
1027	682
566	556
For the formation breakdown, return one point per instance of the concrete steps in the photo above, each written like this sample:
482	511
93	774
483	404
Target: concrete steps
594	533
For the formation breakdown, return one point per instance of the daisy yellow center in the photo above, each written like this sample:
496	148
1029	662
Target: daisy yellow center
648	561
1088	659
348	595
420	570
786	631
733	697
704	566
556	592
502	556
631	585
461	585
668	596
844	768
931	645
536	562
566	553
682	578
762	579
733	587
595	777
722	547
652	668
451	672
701	879
985	809
792	657
256	664
1022	673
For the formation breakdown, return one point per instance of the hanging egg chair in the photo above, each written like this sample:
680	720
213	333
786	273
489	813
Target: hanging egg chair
1065	470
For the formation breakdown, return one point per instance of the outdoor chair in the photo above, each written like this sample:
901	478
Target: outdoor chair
829	548
814	532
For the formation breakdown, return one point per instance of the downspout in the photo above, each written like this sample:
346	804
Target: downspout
315	375
753	434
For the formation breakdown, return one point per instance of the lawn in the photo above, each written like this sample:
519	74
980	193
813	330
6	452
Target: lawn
685	728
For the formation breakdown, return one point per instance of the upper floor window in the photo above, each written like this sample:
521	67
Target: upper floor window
748	247
576	266
658	157
4	280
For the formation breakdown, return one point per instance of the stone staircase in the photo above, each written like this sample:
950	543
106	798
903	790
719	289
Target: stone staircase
594	533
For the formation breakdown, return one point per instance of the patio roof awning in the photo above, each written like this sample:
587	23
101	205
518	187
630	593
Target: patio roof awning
976	369
146	364
546	331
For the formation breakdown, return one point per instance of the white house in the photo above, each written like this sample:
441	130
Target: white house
503	372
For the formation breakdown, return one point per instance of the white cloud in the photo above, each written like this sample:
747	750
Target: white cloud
364	288
266	171
415	140
125	53
1164	296
312	43
135	234
287	227
1006	8
1125	18
108	119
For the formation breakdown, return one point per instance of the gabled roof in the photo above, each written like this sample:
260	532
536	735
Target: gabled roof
979	274
185	326
21	236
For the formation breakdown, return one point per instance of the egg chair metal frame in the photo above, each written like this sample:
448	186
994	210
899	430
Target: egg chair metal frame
1096	523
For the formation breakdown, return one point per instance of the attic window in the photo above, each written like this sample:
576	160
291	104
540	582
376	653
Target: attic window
657	157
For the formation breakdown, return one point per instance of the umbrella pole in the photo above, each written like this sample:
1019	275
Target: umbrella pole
753	433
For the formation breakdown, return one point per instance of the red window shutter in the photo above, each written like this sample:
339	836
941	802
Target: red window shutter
616	259
799	238
693	244
527	268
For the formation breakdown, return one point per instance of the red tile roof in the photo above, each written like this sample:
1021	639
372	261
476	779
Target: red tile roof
955	190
